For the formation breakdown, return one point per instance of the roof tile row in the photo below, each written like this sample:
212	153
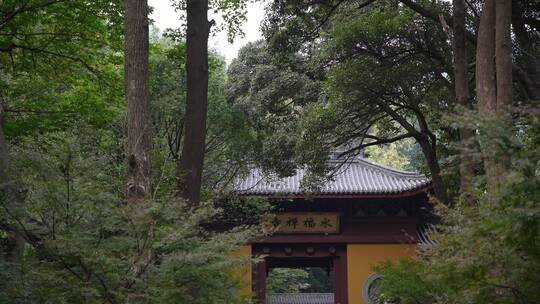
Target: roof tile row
354	177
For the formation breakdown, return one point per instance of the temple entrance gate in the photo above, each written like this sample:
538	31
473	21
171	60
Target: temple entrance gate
329	256
364	215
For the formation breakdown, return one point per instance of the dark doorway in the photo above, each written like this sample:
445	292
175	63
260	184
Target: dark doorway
301	274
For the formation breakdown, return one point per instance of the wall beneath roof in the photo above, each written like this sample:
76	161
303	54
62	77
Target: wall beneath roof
362	257
244	273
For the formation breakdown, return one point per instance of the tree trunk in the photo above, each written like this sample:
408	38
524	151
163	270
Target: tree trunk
461	86
13	246
503	71
503	54
528	72
428	143
189	168
428	149
139	127
486	91
485	60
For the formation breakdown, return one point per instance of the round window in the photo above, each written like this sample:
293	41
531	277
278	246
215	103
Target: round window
371	292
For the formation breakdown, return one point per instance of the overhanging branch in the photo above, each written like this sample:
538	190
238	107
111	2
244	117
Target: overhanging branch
377	141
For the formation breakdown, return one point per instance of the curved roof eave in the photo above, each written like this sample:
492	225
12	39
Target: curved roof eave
355	179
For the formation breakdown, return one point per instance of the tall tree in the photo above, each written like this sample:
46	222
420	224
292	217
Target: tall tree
503	68
485	56
139	127
503	54
526	29
12	247
373	83
229	139
189	168
461	88
494	75
524	15
486	93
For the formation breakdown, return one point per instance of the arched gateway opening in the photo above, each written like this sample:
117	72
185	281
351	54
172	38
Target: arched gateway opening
366	214
300	285
327	256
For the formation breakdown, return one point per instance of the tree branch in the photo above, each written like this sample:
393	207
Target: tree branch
13	46
378	141
25	8
434	16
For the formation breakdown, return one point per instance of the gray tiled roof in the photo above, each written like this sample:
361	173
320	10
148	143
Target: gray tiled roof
356	177
301	298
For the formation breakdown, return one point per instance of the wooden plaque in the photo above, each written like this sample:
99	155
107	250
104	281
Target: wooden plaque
306	222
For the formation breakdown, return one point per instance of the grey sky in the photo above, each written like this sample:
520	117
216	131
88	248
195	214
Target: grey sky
164	17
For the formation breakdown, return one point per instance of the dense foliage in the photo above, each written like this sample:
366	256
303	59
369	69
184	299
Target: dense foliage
384	77
272	98
228	140
53	54
369	78
66	232
489	253
83	244
300	280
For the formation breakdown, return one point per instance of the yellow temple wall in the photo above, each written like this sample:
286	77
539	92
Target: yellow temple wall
361	258
244	273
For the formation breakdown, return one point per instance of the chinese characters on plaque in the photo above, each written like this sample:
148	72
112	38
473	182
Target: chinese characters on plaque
299	222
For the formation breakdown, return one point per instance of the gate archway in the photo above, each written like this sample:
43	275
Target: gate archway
329	256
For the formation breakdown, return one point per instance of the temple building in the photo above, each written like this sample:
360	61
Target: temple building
365	214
